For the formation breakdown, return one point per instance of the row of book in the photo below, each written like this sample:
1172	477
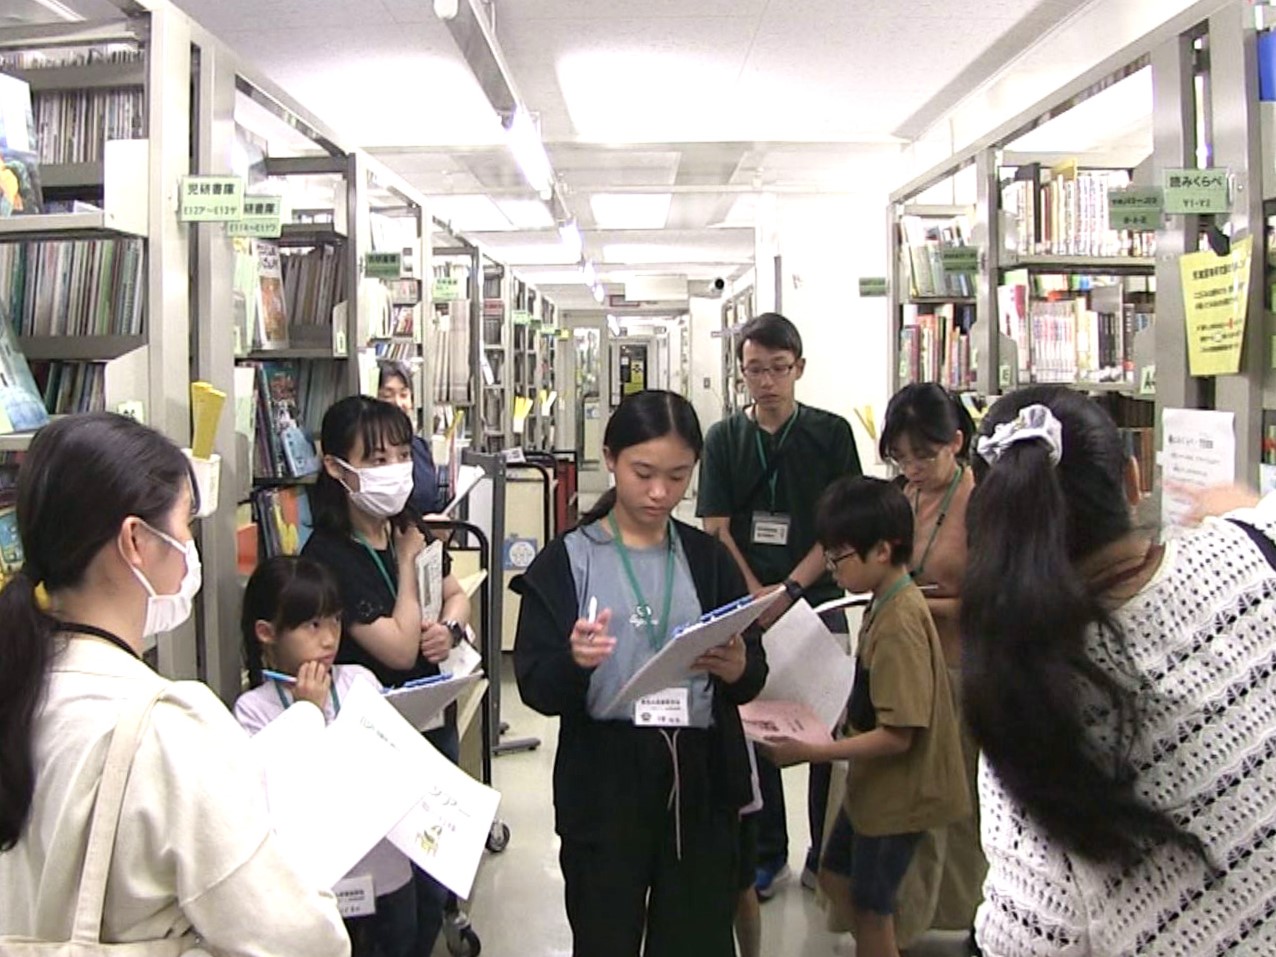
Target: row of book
395	350
11	556
71	387
283	520
314	282
1073	338
68	56
73	126
924	244
1063	211
76	288
283	447
934	346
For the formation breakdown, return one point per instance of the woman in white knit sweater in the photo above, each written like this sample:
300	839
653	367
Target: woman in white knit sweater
1123	693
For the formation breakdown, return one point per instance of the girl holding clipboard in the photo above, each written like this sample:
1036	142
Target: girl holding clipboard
647	794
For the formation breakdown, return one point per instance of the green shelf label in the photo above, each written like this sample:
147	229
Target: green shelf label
383	265
1137	208
960	258
211	199
446	289
262	218
522	317
1197	191
872	287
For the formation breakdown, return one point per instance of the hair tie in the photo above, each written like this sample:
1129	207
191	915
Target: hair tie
41	595
1033	423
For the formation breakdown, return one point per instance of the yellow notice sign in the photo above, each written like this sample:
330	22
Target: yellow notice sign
1215	299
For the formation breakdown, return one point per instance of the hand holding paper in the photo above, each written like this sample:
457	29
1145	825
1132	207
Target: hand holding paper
725	661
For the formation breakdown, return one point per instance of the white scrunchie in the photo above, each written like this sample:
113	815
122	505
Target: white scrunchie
1034	422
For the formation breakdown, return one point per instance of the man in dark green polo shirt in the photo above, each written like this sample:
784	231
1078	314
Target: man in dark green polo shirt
762	472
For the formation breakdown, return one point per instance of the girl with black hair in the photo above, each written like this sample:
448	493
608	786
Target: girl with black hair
369	539
1123	693
291	625
104	512
648	816
927	435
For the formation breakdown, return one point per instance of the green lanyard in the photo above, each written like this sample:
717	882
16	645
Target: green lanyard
655	635
779	444
336	701
943	513
879	602
385	572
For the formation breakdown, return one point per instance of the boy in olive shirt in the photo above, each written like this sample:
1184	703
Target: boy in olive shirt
762	472
906	774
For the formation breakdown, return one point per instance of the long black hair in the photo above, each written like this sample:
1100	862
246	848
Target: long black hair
379	425
1025	615
83	476
286	591
925	413
643	416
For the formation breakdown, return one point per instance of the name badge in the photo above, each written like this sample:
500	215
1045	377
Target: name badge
356	897
670	708
770	528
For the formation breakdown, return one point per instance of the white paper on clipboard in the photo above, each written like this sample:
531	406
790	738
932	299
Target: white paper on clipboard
422	705
671	665
429	580
467	476
806	664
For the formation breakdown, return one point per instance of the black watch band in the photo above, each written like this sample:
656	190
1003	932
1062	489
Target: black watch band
457	630
793	589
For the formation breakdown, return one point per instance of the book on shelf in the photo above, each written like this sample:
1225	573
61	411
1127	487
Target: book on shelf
1063	211
314	282
925	245
11	556
271	325
283	449
10	463
319	385
70	388
75	287
20	192
283	519
21	405
934	346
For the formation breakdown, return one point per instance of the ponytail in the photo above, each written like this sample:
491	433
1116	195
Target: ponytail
25	653
605	503
1026	617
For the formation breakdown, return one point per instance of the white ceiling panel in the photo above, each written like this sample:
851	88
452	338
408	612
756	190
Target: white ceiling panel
516	11
227	17
630	210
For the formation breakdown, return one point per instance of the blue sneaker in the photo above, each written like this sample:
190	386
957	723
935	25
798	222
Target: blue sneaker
769	879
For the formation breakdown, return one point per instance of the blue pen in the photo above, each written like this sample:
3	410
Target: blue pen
278	676
423	682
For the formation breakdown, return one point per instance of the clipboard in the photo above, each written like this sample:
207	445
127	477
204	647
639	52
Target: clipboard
671	665
422	704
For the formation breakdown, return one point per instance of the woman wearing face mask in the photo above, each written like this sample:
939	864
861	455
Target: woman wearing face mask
395	387
104	506
370	543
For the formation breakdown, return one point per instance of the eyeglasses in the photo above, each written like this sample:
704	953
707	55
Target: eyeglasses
832	561
902	462
757	373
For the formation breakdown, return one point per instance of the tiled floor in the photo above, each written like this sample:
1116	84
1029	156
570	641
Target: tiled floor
518	899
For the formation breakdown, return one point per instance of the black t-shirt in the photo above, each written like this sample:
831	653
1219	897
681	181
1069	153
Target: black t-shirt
366	596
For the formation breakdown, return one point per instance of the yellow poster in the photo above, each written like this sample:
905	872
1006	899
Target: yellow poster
1215	300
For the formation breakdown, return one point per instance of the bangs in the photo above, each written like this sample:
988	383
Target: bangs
383	426
306	596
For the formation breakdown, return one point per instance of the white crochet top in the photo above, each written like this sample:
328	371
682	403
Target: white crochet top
1202	637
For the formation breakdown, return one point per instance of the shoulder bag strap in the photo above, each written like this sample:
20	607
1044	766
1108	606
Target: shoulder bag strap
1264	544
106	819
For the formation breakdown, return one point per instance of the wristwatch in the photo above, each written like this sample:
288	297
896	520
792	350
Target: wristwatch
457	630
793	589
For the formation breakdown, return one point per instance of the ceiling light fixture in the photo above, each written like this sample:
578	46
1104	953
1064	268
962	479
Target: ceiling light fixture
446	9
591	274
599	294
61	10
572	240
524	141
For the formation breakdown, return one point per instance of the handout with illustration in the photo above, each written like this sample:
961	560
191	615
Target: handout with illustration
806	664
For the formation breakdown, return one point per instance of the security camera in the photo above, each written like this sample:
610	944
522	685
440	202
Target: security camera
719	284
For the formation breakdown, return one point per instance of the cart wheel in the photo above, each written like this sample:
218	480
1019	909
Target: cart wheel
498	838
461	939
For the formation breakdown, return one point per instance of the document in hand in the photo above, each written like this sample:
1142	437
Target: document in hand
671	665
376	786
770	720
806	664
421	704
429	580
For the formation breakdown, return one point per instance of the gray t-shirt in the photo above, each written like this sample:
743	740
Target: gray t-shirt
600	574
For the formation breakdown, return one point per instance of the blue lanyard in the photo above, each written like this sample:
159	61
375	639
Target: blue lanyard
657	636
336	701
779	444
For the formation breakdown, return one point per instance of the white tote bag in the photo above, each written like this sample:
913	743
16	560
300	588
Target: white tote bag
86	935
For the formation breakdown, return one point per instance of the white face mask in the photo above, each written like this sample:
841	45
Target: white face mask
167	612
383	489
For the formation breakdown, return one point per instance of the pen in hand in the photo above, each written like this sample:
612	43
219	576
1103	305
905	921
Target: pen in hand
593	615
278	676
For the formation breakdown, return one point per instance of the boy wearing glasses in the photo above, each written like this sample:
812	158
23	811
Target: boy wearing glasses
906	772
762	472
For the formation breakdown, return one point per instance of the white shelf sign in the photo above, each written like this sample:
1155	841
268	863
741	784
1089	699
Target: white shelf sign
211	199
262	219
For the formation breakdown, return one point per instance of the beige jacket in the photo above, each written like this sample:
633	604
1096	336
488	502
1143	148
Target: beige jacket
195	847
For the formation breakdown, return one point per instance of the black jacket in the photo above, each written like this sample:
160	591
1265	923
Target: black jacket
599	767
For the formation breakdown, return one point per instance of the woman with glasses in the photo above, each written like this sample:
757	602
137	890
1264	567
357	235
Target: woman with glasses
926	437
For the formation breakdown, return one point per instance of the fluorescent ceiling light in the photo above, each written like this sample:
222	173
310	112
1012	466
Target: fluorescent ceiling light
526	213
631	210
589	273
60	10
470	213
599	295
569	233
524	141
613	325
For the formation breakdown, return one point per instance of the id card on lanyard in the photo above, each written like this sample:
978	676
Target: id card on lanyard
771	527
